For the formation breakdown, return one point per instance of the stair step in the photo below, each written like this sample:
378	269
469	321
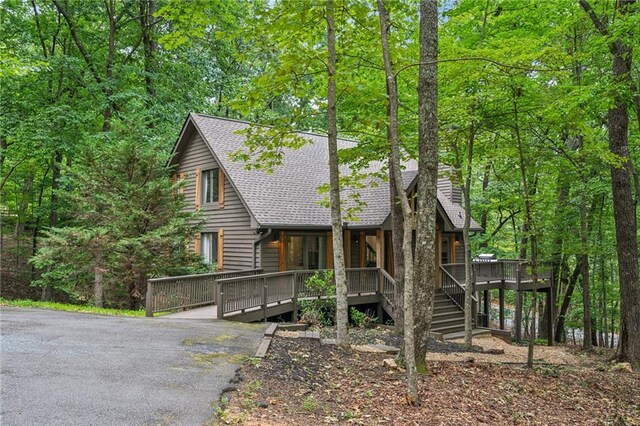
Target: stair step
437	316
448	329
459	319
448	308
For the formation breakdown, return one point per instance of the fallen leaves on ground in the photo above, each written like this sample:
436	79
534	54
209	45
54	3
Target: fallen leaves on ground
304	382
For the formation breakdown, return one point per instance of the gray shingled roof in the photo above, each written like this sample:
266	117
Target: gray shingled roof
288	196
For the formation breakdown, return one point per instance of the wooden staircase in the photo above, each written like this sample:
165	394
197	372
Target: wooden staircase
448	318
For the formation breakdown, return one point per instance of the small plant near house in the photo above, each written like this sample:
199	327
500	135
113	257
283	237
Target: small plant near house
363	319
322	311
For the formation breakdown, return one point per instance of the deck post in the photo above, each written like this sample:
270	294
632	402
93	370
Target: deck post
149	299
486	307
294	300
219	301
518	321
264	299
550	316
380	291
501	297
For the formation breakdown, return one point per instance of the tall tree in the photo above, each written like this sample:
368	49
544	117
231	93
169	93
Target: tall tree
626	221
342	304
425	256
410	343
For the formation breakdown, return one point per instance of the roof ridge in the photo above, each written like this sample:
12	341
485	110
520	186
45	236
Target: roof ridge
236	120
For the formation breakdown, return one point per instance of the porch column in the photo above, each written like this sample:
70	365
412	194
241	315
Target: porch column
380	249
362	245
550	316
501	297
347	248
518	322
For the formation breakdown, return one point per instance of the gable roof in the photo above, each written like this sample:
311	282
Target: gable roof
288	197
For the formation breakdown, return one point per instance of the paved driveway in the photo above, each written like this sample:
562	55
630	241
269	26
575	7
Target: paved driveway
66	368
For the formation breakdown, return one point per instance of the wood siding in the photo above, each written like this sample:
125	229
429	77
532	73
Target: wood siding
234	218
269	256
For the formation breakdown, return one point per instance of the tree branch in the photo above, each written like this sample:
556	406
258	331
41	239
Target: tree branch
83	51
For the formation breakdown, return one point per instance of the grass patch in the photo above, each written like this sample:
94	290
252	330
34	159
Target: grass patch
71	308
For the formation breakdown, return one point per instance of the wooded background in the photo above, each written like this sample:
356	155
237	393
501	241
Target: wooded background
93	94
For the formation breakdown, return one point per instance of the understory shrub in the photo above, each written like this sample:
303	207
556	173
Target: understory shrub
321	311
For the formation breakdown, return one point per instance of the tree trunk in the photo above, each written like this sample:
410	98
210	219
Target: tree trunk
397	235
566	301
624	210
584	272
425	256
407	213
342	309
468	266
98	288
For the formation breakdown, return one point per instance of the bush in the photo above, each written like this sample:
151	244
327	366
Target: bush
322	311
363	319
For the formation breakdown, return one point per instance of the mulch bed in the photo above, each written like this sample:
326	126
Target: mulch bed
302	382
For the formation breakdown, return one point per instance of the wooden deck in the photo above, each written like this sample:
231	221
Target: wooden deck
253	296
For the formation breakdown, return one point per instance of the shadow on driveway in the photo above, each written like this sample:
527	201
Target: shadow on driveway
70	369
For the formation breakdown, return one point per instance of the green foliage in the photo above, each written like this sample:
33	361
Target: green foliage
126	223
72	308
320	311
362	319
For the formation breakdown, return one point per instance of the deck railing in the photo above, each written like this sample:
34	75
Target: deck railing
240	294
388	287
500	270
454	289
186	291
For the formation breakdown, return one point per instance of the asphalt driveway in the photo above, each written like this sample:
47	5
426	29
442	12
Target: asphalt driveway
62	368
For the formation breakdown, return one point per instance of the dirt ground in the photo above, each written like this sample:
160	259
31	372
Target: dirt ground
303	382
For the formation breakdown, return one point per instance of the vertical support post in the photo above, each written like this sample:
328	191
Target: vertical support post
149	300
518	322
264	299
294	300
486	300
362	245
220	302
347	248
550	316
379	311
380	249
501	297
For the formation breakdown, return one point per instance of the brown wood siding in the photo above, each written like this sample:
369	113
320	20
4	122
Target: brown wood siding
233	218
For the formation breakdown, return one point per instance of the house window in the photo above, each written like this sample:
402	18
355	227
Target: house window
209	247
210	186
306	252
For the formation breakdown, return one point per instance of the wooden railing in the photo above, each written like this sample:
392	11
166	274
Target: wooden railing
240	294
388	287
500	270
454	289
186	291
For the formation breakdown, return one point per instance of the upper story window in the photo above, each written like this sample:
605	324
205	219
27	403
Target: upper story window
210	186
